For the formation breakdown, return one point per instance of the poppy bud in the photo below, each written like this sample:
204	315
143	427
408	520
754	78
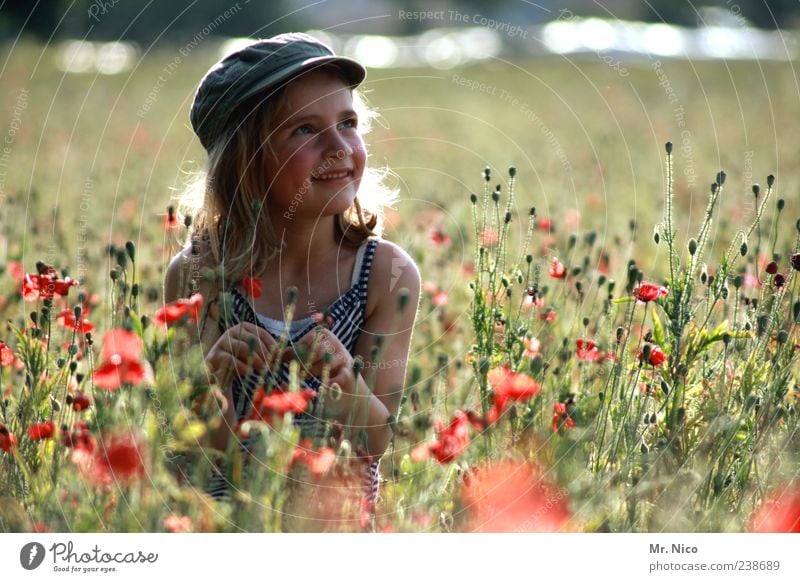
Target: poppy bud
737	281
187	221
782	337
762	324
487	173
781	203
743	249
656	238
291	295
358	365
795	261
772	268
532	211
668	147
512	171
756	190
721	177
692	246
796	310
770	180
130	248
473	198
779	280
496	196
507	218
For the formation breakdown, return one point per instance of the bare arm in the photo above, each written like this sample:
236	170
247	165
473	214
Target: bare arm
395	281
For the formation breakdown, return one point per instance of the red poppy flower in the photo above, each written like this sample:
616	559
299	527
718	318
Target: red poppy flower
6	355
120	457
178	309
67	319
548	315
252	287
451	441
509	386
438	236
440	298
780	513
513	496
171	219
561	418
80	401
7	440
318	462
16	271
42	430
279	402
178	523
646	292
587	351
489	236
545	224
557	270
80	438
46	285
657	356
772	268
122	350
533	347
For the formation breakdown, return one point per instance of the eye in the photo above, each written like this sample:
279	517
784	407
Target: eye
350	123
303	130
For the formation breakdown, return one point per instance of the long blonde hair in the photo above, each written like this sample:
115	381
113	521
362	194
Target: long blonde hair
225	198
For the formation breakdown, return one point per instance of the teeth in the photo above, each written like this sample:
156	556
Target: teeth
333	175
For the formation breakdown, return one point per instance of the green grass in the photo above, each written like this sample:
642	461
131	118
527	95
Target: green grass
583	138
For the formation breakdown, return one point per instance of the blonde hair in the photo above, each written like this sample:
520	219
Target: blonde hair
225	198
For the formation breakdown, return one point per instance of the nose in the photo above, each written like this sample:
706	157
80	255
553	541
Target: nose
336	144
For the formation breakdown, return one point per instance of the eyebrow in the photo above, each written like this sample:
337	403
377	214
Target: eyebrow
314	117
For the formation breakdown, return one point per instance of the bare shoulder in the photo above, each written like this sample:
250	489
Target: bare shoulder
177	276
393	269
184	274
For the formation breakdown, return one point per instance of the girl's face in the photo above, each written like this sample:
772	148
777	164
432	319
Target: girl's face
315	156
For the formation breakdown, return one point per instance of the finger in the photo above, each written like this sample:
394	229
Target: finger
243	353
262	334
227	362
252	342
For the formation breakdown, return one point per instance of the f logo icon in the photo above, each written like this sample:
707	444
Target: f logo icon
31	555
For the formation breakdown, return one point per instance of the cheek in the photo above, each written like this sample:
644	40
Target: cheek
359	155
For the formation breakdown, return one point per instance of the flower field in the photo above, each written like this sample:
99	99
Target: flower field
607	339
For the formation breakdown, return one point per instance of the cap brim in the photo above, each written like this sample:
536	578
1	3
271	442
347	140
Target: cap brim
353	71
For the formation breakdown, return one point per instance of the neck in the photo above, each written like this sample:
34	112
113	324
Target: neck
306	243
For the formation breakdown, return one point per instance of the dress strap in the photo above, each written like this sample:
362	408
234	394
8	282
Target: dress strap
363	266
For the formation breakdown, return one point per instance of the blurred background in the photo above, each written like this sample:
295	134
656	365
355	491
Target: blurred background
580	96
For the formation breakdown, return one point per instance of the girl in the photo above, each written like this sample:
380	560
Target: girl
288	203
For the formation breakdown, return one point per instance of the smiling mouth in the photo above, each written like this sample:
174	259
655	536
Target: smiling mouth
332	176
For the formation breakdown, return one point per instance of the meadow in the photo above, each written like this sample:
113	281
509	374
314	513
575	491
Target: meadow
606	340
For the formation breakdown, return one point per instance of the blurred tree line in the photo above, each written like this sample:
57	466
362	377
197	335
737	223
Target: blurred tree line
155	21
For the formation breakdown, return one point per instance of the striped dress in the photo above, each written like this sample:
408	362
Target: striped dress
348	312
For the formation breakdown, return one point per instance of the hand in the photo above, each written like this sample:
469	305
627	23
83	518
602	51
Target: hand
243	348
340	368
